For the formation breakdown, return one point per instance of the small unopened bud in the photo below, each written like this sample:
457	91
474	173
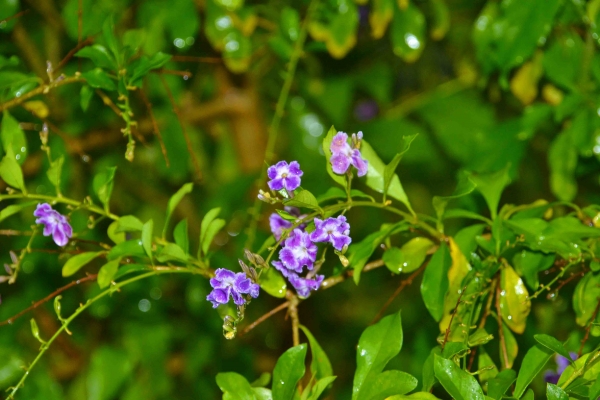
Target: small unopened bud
249	256
244	267
8	269
344	260
264	196
44	134
13	257
344	249
259	260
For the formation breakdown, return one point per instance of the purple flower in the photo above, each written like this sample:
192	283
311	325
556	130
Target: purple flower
562	363
343	155
227	283
284	176
278	224
298	251
366	110
55	224
304	286
333	230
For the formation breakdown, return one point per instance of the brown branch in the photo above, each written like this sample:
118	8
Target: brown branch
184	130
407	282
293	311
588	328
108	102
553	293
486	313
74	50
212	60
154	124
17	15
49	297
184	74
448	329
12	232
43	89
266	316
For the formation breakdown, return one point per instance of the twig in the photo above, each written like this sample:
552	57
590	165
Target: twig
43	89
500	331
212	60
588	328
184	74
108	102
12	232
266	316
448	329
155	128
49	297
17	15
183	129
293	302
408	281
553	293
486	313
552	282
74	50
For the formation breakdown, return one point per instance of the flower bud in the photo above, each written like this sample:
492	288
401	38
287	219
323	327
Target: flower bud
344	260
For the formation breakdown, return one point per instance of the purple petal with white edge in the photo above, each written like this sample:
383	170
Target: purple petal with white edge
360	163
339	143
340	163
278	224
237	298
224	274
295	211
42	210
272	172
67	229
281	268
340	241
288	258
276	184
295	168
242	283
217	283
218	296
291	182
254	290
280	165
59	237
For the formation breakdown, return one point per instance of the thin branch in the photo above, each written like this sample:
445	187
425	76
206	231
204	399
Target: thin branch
108	102
74	50
17	15
588	328
449	328
266	316
408	281
184	74
49	297
43	89
211	60
500	330
155	128
183	129
293	312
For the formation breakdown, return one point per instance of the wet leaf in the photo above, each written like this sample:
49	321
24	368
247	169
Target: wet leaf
235	385
409	257
289	369
524	83
435	282
486	362
320	366
533	363
552	344
458	383
13	137
464	187
380	16
273	283
107	272
320	387
54	172
512	347
127	248
305	199
514	300
554	392
459	268
501	383
103	185
408	33
99	56
585	298
592	368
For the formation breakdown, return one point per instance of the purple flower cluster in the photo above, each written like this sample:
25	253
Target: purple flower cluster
562	363
300	251
229	284
54	223
284	176
278	224
343	155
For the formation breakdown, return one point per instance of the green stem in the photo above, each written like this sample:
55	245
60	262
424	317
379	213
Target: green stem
279	110
63	200
578	372
81	309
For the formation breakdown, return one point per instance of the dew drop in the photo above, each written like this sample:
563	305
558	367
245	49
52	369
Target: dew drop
10	321
179	42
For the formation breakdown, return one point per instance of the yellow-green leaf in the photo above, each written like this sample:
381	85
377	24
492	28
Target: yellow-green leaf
514	300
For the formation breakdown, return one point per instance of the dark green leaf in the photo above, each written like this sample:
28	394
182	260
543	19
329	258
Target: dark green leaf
14	208
107	272
533	363
320	366
129	223
273	283
377	345
585	298
99	79
409	257
108	34
263	380
435	282
75	263
127	248
500	384
458	383
173	202
85	96
554	392
99	56
103	185
464	187
180	234
390	170
288	371
235	385
491	187
172	252
595	390
552	344
215	226
147	233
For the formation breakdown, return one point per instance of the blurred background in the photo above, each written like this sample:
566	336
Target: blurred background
485	84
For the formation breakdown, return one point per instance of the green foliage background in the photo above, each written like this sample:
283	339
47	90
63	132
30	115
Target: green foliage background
484	84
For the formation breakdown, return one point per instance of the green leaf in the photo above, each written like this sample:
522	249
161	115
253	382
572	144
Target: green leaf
129	223
512	347
458	383
10	171
180	234
533	363
107	272
340	179
235	385
85	96
75	263
273	283
464	187
552	344
529	264
491	186
14	208
99	56
501	383
595	390
108	34
375	176
390	169
289	369
215	226
408	33
566	46
591	368
35	331
147	233
320	387
99	79
116	237
554	392
103	185
262	381
12	136
514	301
487	367
262	393
390	383
305	199
562	160
54	172
435	282
130	268
173	202
172	252
380	15
360	252
320	366
128	248
377	345
414	396
409	257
